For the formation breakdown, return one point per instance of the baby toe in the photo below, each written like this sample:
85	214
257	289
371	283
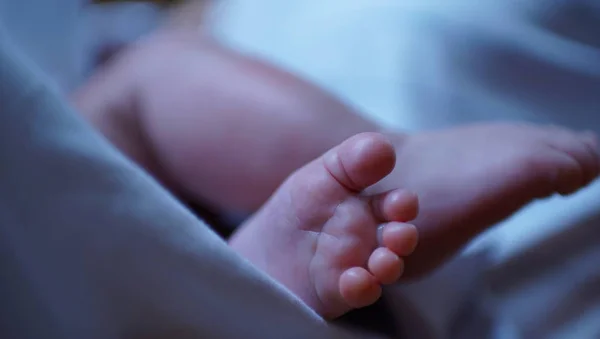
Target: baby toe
396	205
360	161
344	171
359	288
386	266
400	238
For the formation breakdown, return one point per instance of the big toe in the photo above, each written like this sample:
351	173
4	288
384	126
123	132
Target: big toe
345	170
360	161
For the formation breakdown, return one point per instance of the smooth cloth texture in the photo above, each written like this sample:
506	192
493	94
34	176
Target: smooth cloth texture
421	64
92	247
50	32
63	37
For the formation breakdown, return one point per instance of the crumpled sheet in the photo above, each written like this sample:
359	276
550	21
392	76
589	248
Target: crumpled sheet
433	63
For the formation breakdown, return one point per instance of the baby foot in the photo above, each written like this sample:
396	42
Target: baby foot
325	241
469	178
